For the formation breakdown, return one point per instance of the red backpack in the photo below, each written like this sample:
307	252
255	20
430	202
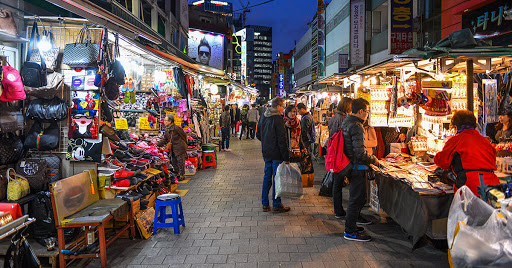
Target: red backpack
336	160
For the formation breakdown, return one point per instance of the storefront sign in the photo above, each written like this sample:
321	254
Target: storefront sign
121	123
342	63
357	14
401	28
489	20
281	82
206	48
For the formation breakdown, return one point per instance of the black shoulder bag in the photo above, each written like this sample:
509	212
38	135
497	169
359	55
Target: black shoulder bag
33	74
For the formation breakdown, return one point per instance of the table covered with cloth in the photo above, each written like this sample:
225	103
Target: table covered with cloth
411	210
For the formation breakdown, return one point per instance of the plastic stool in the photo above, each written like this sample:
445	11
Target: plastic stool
209	163
162	202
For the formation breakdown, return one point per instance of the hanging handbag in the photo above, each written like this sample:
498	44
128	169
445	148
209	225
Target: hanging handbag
20	254
7	23
17	187
47	110
85	150
11	148
34	170
3	184
12	86
50	56
111	89
116	68
42	139
53	164
82	53
11	119
55	83
33	74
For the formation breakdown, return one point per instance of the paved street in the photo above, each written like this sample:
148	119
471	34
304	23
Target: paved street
226	228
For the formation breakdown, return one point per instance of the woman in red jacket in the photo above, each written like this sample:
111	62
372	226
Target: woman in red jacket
468	154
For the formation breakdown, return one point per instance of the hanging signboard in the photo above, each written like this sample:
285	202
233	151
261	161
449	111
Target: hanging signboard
357	14
490	20
121	123
342	63
401	26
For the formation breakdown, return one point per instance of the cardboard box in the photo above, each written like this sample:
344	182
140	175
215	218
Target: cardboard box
308	180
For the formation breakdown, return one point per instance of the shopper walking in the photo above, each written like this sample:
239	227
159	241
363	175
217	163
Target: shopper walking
225	126
272	134
175	139
235	119
334	125
253	117
307	124
244	118
355	149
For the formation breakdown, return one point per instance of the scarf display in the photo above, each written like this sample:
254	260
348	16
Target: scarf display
293	128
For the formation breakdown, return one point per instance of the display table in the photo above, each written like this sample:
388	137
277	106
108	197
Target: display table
413	211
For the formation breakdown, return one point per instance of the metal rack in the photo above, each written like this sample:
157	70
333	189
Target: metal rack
15	226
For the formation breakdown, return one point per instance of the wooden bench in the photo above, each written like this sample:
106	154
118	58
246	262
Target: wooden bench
76	203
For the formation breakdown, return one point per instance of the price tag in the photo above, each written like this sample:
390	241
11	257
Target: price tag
121	123
177	119
144	124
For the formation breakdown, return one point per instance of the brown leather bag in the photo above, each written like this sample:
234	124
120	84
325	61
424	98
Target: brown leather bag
169	144
7	24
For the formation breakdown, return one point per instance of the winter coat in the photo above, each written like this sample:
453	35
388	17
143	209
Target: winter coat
354	141
253	115
178	138
306	123
272	134
225	120
244	115
468	154
334	123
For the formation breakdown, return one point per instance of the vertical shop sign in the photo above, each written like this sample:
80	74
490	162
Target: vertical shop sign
342	63
320	72
401	28
490	100
357	14
243	66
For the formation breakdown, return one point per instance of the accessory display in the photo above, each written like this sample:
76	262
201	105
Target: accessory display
33	73
34	170
47	110
17	187
84	150
55	82
83	127
12	85
116	68
82	53
50	56
11	148
42	139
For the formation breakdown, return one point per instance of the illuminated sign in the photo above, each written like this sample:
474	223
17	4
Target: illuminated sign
281	81
400	34
490	20
206	48
218	3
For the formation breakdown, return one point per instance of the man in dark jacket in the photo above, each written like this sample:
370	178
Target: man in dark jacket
306	123
272	134
355	149
225	125
235	118
175	135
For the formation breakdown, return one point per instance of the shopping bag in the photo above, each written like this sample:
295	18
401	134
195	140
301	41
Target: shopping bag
306	164
288	180
326	188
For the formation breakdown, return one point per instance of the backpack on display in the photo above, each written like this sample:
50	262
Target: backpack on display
12	85
33	73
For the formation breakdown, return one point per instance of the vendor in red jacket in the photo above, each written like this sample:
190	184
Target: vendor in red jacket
468	154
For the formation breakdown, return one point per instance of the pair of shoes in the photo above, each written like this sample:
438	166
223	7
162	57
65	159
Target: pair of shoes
357	236
280	209
266	208
363	221
340	216
222	150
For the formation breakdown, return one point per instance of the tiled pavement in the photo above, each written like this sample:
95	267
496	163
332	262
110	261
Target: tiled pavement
226	228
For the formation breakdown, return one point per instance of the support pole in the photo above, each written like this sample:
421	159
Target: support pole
469	83
136	8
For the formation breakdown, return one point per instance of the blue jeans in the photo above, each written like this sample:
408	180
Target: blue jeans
225	137
268	181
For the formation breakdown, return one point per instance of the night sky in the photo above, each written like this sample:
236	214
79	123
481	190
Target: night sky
288	19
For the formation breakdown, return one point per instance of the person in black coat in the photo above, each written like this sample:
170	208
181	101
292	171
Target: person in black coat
274	146
355	149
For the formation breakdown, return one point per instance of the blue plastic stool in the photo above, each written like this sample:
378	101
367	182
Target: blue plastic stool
162	202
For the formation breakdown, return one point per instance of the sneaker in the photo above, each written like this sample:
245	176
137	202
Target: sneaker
280	209
357	237
340	216
266	208
363	221
107	166
360	229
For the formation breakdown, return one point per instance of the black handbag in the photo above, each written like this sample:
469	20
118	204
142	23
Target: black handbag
116	68
11	118
11	148
20	254
33	74
42	139
53	164
82	53
111	89
34	170
55	83
47	110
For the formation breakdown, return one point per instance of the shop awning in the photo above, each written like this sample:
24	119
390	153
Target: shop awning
192	65
333	78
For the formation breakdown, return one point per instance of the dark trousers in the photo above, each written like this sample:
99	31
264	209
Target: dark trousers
244	128
337	194
357	199
252	129
225	138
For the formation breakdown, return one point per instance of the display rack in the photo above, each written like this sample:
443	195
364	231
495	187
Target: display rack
15	226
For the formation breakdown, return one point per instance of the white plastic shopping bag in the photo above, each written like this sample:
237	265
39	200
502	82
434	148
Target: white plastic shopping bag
288	180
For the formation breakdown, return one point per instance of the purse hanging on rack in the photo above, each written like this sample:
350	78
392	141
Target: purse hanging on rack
47	110
83	53
11	148
17	187
11	118
34	73
51	55
34	170
42	139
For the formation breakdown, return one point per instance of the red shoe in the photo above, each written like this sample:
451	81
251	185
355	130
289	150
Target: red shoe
123	174
113	146
117	163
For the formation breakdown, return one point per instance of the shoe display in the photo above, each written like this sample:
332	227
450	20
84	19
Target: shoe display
107	166
357	236
123	174
280	209
363	221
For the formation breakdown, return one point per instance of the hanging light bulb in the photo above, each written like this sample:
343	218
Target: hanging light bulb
44	44
214	89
